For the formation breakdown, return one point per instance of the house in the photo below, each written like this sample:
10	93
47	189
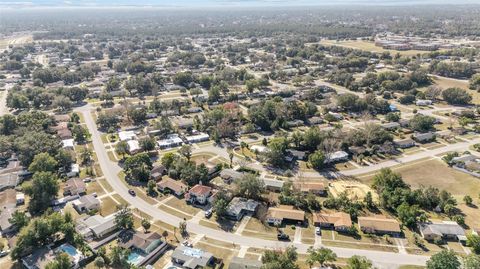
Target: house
140	241
133	147
68	144
315	120
172	140
338	221
244	263
9	180
317	188
127	135
174	186
201	137
64	134
273	184
157	172
423	137
229	175
86	203
8	204
61	118
423	102
74	170
297	154
74	186
405	143
336	116
199	194
448	230
239	207
337	156
379	225
391	126
192	258
258	148
95	226
39	258
277	215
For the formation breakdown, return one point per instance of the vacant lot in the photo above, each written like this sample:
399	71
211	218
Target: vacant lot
436	173
369	46
354	190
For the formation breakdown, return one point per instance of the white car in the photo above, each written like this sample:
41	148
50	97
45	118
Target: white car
318	231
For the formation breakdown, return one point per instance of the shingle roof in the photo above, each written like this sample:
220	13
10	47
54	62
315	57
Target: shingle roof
286	212
379	224
338	219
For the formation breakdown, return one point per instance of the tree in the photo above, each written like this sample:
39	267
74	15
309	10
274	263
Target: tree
472	261
99	262
368	200
250	186
320	255
61	261
433	92
19	219
80	134
468	200
358	262
183	227
119	257
276	152
123	217
138	167
137	114
121	148
422	123
186	151
42	191
151	187
147	143
221	204
409	214
317	159
146	225
446	259
275	259
85	156
456	96
62	103
475	82
473	241
43	162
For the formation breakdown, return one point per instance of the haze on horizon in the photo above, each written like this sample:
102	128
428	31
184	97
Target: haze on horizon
221	3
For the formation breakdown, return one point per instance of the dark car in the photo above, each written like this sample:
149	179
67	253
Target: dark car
282	236
132	192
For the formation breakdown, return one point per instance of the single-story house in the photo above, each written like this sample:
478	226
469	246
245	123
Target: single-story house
273	184
64	134
39	258
310	187
391	125
172	140
244	263
277	215
74	186
95	226
423	102
405	143
379	225
133	147
86	203
8	204
192	258
258	148
442	230
127	135
157	171
175	186
229	175
337	156
238	207
201	137
144	242
68	144
199	194
423	137
74	170
339	221
297	154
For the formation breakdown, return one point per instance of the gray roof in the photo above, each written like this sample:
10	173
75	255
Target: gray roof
230	174
96	223
272	183
192	257
9	180
243	263
238	204
442	228
424	136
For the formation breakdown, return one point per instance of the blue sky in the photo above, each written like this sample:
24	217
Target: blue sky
212	3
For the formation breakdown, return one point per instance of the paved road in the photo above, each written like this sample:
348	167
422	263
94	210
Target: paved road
111	170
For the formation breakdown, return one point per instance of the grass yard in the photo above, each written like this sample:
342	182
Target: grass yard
437	174
369	46
105	184
94	187
181	205
172	211
107	206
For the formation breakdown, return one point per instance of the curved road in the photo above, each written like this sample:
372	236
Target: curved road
111	169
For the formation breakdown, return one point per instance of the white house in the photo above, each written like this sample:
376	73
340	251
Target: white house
201	137
74	170
68	144
423	102
127	135
133	146
337	156
171	141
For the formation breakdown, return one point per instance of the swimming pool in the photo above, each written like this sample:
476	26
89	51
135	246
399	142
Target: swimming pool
71	251
135	257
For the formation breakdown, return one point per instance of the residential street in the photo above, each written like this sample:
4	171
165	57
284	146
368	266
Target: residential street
111	170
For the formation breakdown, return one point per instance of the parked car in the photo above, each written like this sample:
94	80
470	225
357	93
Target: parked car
132	192
282	236
208	213
318	231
